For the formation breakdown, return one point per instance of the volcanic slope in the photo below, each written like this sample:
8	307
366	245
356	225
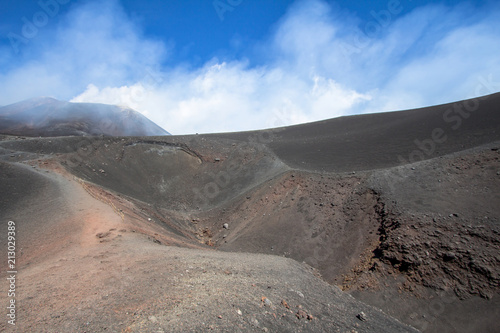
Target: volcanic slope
91	259
45	116
398	209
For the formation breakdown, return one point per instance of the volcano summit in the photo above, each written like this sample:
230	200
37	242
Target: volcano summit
45	116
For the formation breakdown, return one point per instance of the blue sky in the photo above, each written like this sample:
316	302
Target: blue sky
228	65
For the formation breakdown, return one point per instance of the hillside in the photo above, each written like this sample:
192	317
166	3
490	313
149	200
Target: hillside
45	116
305	228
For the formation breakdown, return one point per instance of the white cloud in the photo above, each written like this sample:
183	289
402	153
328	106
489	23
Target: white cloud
95	43
230	96
320	64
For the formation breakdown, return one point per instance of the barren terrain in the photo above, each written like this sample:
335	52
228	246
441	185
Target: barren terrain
375	223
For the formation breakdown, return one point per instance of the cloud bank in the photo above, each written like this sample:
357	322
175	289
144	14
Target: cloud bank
320	62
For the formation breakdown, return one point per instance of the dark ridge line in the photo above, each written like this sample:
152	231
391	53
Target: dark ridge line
182	146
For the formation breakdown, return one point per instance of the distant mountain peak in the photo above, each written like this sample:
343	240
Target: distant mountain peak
43	99
47	116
